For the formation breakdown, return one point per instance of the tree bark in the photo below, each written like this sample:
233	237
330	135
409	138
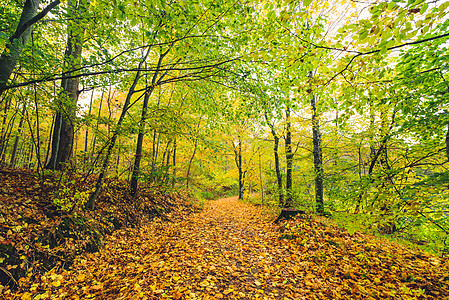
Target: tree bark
12	162
260	178
239	164
289	158
173	181
317	158
137	158
19	39
63	136
4	127
193	154
90	204
17	42
276	162
447	142
86	137
143	119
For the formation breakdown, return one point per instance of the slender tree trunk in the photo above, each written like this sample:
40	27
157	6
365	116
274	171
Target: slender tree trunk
12	162
289	159
38	136
97	126
3	127
193	154
143	119
447	142
239	164
317	158
86	138
277	165
6	136
30	156
174	164
190	163
47	153
93	197
155	153
117	161
138	155
260	177
63	137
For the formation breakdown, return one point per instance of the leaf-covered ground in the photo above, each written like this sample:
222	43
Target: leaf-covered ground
232	250
37	234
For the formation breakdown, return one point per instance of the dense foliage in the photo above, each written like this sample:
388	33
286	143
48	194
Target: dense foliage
330	106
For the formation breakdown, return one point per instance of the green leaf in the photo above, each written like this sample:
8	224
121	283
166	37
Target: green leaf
363	34
424	8
134	22
306	2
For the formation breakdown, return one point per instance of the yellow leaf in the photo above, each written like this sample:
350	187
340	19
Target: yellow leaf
137	287
226	292
26	296
56	283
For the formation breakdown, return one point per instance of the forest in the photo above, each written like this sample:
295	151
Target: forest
122	114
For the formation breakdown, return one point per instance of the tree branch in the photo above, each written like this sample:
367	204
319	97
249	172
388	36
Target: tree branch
388	49
33	20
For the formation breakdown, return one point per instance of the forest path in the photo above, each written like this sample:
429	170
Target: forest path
232	250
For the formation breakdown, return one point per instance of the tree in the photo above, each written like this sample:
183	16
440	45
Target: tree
237	148
63	133
17	41
277	165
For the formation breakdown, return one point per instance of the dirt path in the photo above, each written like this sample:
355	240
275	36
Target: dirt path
232	251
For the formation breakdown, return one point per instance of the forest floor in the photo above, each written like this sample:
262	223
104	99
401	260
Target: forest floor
232	250
44	226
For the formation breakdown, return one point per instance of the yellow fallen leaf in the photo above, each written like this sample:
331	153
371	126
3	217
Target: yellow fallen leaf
226	292
56	283
26	296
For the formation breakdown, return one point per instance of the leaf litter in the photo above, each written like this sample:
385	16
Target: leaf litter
232	250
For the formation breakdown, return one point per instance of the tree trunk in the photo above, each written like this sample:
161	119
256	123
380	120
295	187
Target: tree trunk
3	127
17	42
96	129
276	162
173	181
238	163
260	178
93	197
447	142
63	137
317	158
137	158
193	155
17	137
143	119
86	137
289	158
